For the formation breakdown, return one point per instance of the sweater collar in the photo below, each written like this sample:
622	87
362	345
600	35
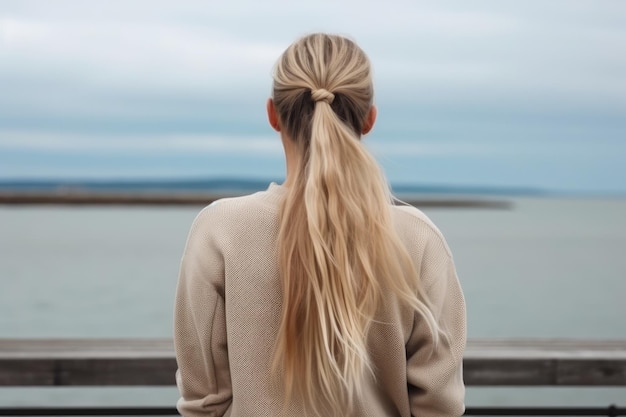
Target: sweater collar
275	192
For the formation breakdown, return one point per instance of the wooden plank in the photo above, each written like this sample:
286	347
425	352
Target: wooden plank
518	372
87	372
551	362
147	362
547	348
86	348
86	362
116	372
35	372
591	372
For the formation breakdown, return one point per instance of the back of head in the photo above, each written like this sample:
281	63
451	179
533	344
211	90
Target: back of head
338	245
324	69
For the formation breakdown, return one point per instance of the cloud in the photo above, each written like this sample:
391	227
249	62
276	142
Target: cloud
137	55
270	146
162	77
229	49
142	145
531	149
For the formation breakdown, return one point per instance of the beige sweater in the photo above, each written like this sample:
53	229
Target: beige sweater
227	313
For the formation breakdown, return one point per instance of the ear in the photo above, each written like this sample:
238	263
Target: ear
272	116
370	119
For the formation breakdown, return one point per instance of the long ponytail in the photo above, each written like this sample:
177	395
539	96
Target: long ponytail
338	249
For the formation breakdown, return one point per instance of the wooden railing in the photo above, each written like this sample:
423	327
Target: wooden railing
151	362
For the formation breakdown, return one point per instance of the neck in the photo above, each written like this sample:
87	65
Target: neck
292	160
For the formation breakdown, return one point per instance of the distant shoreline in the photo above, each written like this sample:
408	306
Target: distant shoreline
155	198
198	190
236	185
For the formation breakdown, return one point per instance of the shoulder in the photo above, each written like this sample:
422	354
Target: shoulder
417	225
411	213
267	200
235	212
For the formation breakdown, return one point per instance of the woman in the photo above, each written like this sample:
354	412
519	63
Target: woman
319	297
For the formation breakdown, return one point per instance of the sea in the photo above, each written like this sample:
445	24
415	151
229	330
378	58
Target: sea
541	267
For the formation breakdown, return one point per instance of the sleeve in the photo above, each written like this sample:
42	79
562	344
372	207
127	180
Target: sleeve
203	376
435	376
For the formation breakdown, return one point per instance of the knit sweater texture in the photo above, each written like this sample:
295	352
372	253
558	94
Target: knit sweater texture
228	309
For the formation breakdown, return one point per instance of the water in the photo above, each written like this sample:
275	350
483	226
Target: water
546	268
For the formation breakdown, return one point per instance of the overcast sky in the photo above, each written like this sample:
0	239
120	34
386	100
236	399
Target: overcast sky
496	93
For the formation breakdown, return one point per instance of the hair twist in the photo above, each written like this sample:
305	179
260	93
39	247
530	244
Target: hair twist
322	94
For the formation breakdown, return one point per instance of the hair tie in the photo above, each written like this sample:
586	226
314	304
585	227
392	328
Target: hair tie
322	94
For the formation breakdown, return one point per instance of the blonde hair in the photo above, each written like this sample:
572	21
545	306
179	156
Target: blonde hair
338	248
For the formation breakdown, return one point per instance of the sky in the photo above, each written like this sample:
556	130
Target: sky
496	93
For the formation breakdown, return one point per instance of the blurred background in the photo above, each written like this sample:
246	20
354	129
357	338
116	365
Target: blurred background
516	102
